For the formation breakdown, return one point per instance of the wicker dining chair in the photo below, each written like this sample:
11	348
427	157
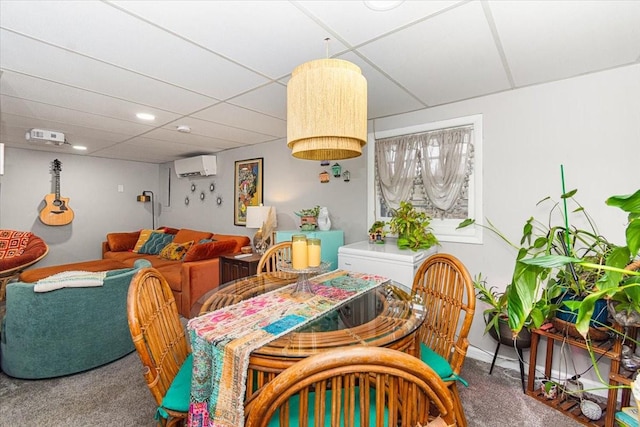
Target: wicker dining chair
444	285
353	386
159	339
273	256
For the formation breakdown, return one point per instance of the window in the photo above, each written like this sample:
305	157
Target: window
437	166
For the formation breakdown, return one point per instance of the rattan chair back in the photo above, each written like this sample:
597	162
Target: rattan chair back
336	382
445	286
157	333
271	259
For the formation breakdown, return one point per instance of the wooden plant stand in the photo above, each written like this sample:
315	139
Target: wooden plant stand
570	406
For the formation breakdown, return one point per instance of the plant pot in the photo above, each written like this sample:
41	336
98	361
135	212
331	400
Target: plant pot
564	320
504	335
598	319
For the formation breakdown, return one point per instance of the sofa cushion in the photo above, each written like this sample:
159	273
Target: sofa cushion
120	242
186	235
240	240
155	243
30	276
13	243
175	251
172	272
142	238
209	250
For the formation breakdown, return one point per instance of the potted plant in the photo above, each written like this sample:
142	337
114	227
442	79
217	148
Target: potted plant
544	282
496	316
309	218
412	228
615	283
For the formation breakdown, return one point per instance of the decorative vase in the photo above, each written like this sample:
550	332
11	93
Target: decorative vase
324	222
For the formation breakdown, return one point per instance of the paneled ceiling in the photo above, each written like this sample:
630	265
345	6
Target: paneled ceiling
85	68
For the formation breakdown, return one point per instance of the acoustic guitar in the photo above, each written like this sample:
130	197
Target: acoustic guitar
56	210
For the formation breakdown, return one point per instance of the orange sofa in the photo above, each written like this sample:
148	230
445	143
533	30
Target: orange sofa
189	278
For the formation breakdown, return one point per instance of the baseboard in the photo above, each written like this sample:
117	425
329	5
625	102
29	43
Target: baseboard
476	353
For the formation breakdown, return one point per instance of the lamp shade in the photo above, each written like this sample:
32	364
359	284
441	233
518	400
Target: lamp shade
326	110
256	216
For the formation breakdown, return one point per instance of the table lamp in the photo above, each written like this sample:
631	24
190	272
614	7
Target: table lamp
264	219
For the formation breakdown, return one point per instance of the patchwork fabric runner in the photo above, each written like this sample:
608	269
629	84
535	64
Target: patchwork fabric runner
222	341
70	279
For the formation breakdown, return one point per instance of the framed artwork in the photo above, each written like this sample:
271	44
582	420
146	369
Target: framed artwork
248	189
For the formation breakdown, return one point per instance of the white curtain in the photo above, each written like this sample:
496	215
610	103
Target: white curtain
441	160
396	168
446	165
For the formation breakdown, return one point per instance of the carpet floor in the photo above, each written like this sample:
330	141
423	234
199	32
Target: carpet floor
116	395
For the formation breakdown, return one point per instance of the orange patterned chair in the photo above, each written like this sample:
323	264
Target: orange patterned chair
18	250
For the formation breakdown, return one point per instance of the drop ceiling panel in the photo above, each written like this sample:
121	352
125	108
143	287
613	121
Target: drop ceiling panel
239	30
356	23
100	31
202	141
47	92
68	118
546	41
219	131
96	76
270	100
453	54
238	117
384	97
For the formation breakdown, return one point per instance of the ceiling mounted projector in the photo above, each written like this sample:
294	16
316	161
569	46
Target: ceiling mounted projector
46	136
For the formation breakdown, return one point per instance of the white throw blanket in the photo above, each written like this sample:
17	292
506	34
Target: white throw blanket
70	279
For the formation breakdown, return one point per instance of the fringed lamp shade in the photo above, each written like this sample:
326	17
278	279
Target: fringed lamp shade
326	110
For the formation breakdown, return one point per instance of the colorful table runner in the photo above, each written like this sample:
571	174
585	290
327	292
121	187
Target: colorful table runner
223	340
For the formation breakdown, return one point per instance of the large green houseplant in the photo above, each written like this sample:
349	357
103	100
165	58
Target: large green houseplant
614	281
556	258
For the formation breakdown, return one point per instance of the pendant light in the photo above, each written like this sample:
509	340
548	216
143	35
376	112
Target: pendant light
326	110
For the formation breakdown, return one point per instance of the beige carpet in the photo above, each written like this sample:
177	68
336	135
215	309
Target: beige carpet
116	395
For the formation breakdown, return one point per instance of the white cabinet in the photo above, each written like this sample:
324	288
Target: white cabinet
385	260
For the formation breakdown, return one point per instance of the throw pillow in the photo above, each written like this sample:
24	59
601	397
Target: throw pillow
186	235
155	243
142	239
13	243
121	242
175	251
209	250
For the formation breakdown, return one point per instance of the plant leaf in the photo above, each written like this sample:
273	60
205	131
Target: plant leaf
628	203
550	261
467	222
633	236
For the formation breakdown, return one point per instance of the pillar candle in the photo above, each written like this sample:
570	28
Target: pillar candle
299	255
313	249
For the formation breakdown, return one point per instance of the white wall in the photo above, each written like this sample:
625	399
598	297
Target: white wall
590	124
91	184
289	185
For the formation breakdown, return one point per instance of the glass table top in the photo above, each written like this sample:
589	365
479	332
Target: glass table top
378	317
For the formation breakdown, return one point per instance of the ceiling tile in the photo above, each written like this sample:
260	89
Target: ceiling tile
450	57
545	41
238	117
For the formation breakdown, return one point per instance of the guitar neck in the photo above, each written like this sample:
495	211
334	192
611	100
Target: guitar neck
56	183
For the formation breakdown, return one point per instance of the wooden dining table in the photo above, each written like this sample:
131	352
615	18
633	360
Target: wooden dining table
387	315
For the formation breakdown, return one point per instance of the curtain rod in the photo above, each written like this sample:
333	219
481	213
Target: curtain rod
421	133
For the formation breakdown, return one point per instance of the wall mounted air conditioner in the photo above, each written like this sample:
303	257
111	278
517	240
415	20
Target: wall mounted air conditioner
195	166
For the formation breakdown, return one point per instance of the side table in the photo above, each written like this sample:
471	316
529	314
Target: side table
232	268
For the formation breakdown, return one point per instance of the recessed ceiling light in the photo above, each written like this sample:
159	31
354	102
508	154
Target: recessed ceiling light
382	5
79	147
183	129
145	116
